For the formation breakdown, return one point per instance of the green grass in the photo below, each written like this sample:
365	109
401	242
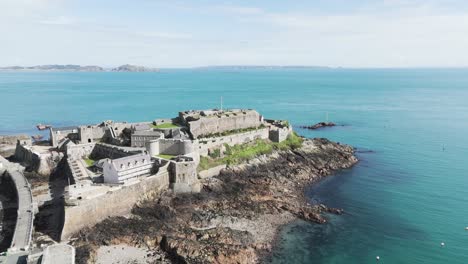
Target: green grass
164	156
165	125
241	153
208	163
89	162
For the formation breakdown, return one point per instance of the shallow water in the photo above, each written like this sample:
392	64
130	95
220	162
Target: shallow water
402	200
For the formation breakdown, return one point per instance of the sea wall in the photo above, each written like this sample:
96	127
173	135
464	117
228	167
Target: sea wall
114	203
206	144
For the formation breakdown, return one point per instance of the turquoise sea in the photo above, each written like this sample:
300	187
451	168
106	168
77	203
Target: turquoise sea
408	194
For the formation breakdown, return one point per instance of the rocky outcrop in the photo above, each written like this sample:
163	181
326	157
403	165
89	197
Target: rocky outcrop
320	125
235	217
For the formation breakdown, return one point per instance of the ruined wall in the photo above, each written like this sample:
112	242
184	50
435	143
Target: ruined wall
116	203
205	144
42	163
227	122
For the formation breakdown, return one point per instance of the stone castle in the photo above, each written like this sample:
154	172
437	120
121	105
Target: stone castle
110	166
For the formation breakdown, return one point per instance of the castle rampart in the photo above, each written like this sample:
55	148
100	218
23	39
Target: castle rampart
115	202
206	144
203	123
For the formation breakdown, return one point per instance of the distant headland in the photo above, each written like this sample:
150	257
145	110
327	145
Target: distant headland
79	68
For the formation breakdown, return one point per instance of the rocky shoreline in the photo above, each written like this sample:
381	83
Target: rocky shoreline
319	125
235	218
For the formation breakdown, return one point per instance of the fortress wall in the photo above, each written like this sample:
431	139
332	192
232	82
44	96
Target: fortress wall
42	163
81	150
214	124
113	152
206	144
89	134
116	203
176	146
280	134
26	210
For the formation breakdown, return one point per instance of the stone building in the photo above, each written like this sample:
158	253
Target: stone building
59	133
139	138
210	122
183	175
123	169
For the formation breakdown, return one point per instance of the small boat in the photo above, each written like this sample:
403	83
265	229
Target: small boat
37	137
42	127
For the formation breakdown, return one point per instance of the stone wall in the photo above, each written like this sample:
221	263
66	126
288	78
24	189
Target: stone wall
176	146
42	163
280	134
80	150
183	176
116	203
102	150
206	125
88	134
22	236
205	144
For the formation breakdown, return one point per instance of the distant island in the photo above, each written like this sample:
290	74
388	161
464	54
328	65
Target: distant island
79	68
262	67
134	68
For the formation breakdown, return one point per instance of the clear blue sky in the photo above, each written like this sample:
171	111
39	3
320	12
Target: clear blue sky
172	33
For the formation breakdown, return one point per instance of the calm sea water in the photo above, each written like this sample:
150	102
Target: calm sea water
407	195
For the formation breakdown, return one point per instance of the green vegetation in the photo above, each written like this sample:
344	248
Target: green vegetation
231	132
215	154
207	163
89	162
165	125
241	153
164	156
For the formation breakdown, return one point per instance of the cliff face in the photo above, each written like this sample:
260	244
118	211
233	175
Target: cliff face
236	216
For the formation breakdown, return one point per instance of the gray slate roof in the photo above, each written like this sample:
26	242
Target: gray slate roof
137	160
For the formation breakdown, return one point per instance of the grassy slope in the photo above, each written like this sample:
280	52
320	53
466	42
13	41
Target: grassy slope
241	153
